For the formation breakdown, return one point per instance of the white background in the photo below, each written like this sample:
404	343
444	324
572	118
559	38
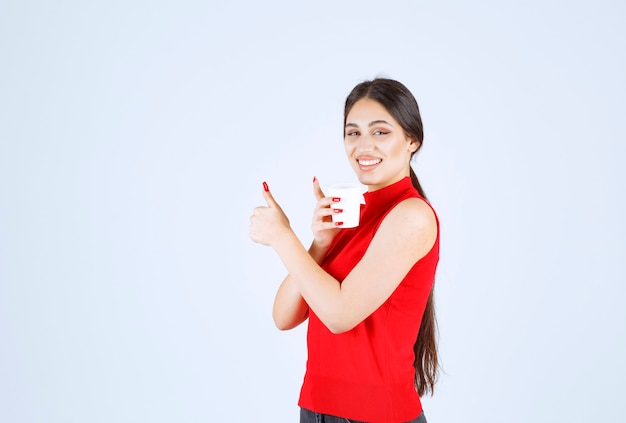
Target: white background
134	138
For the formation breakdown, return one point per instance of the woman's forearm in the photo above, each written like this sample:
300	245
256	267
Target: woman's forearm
318	252
321	291
290	309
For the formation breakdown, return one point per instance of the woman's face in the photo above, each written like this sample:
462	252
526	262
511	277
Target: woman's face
376	145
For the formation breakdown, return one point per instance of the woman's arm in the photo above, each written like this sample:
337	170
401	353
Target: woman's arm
406	234
290	309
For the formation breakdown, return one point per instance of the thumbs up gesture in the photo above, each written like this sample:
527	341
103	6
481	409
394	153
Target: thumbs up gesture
268	223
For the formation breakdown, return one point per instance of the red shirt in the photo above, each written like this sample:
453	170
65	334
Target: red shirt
367	373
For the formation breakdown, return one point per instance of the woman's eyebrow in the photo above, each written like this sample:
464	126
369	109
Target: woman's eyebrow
372	123
376	122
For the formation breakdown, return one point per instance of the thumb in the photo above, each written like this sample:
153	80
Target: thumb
269	198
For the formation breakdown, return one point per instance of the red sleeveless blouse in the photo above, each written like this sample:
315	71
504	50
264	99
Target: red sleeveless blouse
367	373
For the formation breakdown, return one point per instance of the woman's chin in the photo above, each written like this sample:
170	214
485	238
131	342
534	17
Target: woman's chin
368	180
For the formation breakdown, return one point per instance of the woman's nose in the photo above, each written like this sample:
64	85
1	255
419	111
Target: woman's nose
366	143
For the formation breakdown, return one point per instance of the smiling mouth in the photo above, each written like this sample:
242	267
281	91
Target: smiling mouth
369	162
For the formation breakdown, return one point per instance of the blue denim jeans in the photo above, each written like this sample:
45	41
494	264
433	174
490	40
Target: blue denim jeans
308	416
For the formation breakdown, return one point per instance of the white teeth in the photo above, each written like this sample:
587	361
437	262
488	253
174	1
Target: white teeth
369	162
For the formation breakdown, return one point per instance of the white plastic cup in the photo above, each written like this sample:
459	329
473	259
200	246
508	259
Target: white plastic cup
351	198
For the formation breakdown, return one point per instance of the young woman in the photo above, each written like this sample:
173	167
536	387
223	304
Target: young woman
366	291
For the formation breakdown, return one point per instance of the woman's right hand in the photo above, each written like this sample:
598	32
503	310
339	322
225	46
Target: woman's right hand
323	228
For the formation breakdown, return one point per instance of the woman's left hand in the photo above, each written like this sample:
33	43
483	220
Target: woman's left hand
268	223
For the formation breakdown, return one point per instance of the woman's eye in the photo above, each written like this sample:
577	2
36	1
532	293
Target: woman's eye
380	133
351	134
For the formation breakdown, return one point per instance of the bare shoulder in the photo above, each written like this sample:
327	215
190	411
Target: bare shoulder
412	213
413	222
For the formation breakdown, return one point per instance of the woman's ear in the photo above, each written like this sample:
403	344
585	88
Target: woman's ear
414	145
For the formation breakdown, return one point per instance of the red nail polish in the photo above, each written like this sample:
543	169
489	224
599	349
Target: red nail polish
338	223
314	178
338	210
336	199
265	187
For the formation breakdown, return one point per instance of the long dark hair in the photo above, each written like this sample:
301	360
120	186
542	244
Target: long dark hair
401	104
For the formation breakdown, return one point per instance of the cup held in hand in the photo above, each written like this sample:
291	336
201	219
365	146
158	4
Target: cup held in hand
351	198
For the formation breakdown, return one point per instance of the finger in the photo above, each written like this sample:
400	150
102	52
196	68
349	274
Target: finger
322	226
269	198
317	191
323	215
326	202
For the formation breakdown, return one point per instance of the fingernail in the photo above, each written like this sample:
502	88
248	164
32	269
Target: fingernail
314	178
265	187
336	199
338	210
338	223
